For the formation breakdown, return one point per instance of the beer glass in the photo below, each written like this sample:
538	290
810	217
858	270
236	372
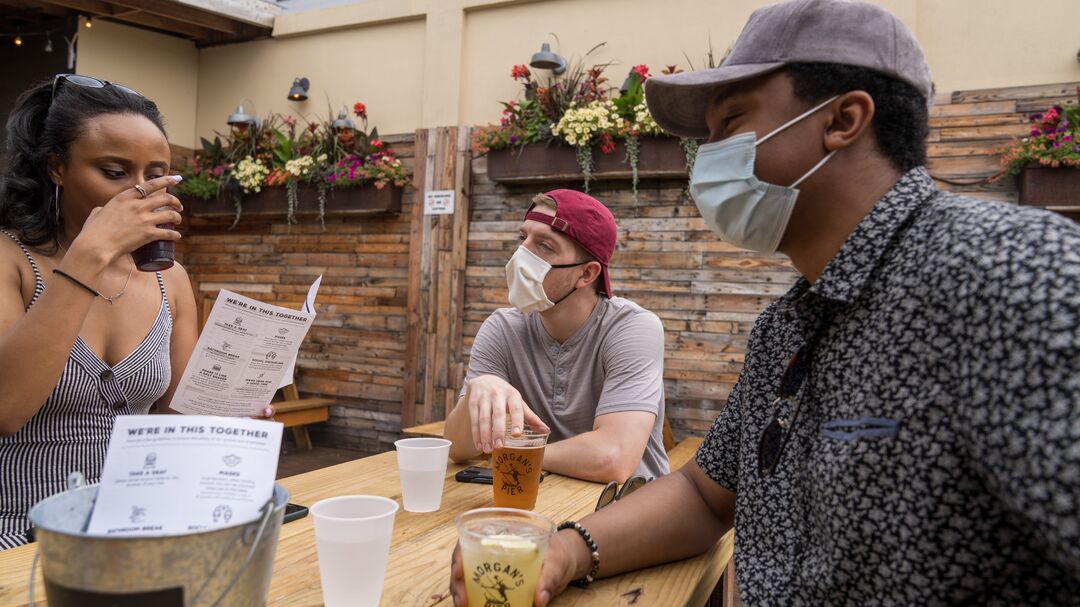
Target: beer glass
502	550
515	470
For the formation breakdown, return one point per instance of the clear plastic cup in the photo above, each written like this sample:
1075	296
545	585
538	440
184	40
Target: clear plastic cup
516	468
422	470
502	550
352	538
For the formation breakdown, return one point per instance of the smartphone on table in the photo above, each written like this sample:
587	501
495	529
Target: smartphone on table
294	511
482	475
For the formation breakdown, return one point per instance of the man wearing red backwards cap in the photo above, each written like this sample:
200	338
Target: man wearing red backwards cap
568	356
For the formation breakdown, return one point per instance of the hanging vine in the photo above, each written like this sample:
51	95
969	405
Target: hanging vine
633	151
292	191
690	147
585	162
323	187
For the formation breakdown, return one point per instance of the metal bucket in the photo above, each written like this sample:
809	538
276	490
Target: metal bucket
224	566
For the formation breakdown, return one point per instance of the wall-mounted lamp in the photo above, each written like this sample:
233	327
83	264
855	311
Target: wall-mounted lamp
299	89
547	60
626	83
343	122
241	118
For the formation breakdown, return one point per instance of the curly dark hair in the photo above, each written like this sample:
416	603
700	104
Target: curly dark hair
40	127
901	120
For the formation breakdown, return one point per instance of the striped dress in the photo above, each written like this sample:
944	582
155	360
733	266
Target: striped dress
71	430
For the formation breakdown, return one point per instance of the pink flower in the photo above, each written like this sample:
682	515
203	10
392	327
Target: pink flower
642	71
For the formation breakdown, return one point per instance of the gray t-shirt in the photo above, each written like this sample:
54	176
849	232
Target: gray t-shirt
614	363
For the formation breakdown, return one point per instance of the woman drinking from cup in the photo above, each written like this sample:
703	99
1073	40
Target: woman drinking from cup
84	335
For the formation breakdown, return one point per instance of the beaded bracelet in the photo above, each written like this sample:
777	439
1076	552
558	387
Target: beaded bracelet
588	579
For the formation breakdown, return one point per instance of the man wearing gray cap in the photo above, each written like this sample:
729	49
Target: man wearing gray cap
906	429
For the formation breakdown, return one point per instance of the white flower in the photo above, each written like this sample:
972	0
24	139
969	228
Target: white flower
250	173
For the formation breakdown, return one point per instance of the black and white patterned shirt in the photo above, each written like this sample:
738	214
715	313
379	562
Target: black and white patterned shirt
959	321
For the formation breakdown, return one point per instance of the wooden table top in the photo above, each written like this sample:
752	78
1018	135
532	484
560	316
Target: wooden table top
434	429
419	568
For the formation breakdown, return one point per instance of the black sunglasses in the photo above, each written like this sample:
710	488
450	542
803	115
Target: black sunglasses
88	82
612	492
777	433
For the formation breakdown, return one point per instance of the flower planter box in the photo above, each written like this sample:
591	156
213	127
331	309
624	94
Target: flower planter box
1057	189
659	158
273	202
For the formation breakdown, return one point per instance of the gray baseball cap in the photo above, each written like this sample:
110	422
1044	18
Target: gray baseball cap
847	32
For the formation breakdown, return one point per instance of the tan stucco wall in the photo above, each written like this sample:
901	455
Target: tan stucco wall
381	66
419	63
975	44
656	33
164	68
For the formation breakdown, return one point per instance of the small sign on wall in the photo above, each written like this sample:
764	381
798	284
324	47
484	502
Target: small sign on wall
439	202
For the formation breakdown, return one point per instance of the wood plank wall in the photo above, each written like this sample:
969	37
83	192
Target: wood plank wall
355	352
706	292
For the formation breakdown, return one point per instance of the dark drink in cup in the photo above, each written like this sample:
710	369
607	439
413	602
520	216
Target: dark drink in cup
155	256
158	255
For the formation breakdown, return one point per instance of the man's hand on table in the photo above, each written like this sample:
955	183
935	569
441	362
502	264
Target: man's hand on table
490	399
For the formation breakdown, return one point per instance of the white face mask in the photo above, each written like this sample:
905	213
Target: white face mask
525	273
739	207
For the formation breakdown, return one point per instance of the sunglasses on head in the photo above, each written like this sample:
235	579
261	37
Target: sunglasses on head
89	82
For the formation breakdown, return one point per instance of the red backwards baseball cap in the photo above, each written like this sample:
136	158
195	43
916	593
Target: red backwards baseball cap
586	221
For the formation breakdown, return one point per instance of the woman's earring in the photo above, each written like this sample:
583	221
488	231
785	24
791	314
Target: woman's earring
56	201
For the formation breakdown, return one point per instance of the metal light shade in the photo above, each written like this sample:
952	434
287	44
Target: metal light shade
547	60
241	118
299	89
626	83
343	122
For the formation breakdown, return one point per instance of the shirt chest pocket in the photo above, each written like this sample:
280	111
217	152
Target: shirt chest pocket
860	453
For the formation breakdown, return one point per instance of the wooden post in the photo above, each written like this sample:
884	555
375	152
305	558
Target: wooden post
433	358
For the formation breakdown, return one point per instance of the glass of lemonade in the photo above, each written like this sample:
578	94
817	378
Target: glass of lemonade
515	469
502	550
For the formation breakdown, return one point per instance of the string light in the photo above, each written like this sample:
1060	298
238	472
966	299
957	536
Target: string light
18	40
48	43
89	23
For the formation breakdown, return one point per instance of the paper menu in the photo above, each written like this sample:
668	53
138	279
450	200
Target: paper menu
243	355
307	308
173	474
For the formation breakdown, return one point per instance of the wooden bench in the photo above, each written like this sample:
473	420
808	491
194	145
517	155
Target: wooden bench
296	413
683	452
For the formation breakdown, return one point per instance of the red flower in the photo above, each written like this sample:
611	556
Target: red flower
643	72
520	72
376	143
360	110
607	144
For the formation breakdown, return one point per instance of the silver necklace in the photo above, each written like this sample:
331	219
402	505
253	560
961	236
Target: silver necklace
111	299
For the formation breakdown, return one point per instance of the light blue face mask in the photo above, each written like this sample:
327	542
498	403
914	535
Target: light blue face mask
736	205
